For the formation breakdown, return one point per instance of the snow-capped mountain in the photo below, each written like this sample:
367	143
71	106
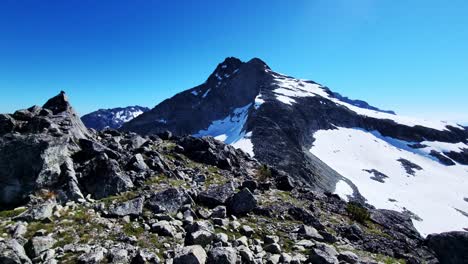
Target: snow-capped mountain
112	118
327	141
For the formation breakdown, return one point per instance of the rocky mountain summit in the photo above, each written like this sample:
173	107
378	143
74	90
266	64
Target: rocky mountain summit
72	195
112	118
326	141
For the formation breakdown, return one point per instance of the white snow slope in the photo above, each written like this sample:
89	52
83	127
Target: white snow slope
290	88
230	130
435	193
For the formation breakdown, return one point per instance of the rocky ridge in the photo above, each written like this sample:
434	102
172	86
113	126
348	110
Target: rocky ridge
112	118
115	197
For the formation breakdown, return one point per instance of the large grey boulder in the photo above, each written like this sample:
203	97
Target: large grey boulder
222	255
11	252
37	212
95	256
450	247
190	255
324	254
169	201
216	195
132	208
39	244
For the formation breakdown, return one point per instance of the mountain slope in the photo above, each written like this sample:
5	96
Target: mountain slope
112	118
90	196
290	124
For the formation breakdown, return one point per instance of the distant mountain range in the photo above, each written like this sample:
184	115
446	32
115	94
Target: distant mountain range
326	141
112	118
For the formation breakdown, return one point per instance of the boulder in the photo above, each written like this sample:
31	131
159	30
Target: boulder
95	256
273	248
222	255
11	252
348	257
450	247
216	195
103	177
285	183
190	255
39	244
132	208
242	203
168	201
137	163
163	228
324	254
310	232
37	213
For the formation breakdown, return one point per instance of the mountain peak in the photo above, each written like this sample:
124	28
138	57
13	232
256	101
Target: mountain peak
258	62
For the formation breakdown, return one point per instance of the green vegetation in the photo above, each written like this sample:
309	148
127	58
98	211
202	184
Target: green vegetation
119	198
263	173
11	213
133	230
357	212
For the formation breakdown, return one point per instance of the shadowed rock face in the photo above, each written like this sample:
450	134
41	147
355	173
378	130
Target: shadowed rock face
282	133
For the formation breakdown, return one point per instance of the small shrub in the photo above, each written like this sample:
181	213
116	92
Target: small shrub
263	173
357	212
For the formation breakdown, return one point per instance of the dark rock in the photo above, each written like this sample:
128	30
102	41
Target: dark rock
460	157
442	159
273	248
91	149
7	123
250	184
396	222
216	195
285	183
348	257
169	201
409	166
242	203
450	247
166	135
103	177
377	175
306	217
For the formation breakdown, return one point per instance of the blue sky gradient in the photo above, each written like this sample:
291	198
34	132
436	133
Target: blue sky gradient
409	56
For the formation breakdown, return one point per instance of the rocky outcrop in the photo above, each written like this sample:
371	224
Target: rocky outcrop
450	247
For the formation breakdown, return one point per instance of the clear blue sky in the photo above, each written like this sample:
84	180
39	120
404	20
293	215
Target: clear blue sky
409	56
